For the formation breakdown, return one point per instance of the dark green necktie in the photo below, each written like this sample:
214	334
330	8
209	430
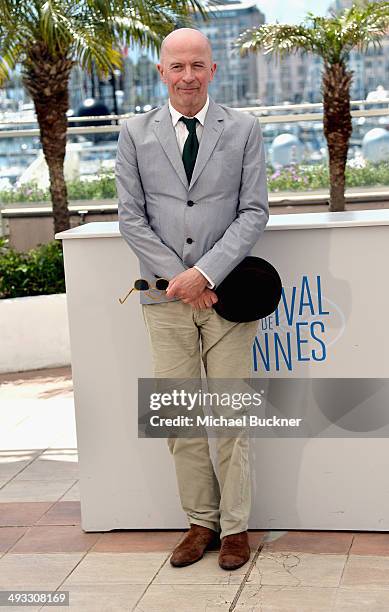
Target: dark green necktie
191	146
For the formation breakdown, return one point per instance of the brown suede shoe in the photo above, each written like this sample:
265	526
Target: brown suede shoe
193	546
234	551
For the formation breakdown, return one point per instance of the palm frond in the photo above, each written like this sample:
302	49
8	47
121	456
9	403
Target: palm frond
90	31
54	27
276	38
365	24
11	49
332	38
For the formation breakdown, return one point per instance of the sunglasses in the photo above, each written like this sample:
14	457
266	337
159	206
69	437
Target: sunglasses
161	284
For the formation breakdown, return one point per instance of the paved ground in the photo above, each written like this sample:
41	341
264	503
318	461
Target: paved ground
42	546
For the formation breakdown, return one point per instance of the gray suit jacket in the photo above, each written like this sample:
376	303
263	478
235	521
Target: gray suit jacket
223	211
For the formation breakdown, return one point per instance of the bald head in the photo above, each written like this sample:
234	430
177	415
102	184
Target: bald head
183	39
186	68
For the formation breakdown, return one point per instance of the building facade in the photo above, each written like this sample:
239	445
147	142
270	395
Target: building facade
282	80
298	77
236	79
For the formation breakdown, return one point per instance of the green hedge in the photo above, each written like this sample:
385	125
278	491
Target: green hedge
290	178
40	271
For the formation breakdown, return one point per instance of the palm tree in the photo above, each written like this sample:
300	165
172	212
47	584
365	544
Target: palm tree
332	38
48	37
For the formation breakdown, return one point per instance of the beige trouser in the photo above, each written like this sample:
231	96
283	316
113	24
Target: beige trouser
175	329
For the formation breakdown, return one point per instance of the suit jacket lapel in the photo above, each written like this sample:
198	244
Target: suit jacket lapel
166	135
212	130
164	130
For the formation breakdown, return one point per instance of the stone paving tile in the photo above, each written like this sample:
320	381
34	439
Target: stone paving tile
45	421
286	599
358	600
34	490
38	410
137	541
205	571
298	572
366	571
40	376
52	465
55	539
9	536
336	542
188	598
298	569
73	494
14	413
22	609
15	608
54	532
370	544
255	538
13	462
62	513
66	437
22	513
36	571
101	597
128	568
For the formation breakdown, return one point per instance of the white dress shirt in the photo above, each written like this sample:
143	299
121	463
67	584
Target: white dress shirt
181	135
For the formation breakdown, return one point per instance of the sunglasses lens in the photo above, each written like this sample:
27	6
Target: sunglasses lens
162	284
141	285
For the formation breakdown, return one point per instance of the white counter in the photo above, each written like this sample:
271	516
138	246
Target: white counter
328	326
352	218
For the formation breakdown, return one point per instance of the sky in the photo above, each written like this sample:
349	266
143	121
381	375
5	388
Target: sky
291	11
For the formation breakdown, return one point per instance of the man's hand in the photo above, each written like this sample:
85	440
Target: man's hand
187	286
206	299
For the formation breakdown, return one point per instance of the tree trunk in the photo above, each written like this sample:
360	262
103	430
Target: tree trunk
337	128
46	79
115	103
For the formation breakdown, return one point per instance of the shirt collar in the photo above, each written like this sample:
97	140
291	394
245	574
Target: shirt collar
200	115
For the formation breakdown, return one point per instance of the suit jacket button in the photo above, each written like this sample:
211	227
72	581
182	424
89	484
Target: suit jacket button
189	240
190	203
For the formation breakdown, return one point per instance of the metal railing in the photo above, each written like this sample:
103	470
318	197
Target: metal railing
259	111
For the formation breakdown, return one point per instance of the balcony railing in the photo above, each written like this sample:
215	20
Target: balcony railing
303	168
262	112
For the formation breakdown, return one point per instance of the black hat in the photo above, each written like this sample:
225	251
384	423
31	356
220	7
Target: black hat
250	292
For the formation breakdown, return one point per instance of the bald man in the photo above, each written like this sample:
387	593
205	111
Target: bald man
191	181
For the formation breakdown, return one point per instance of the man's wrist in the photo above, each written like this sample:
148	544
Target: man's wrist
210	284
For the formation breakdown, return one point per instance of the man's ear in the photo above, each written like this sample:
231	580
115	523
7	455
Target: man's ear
161	74
213	70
